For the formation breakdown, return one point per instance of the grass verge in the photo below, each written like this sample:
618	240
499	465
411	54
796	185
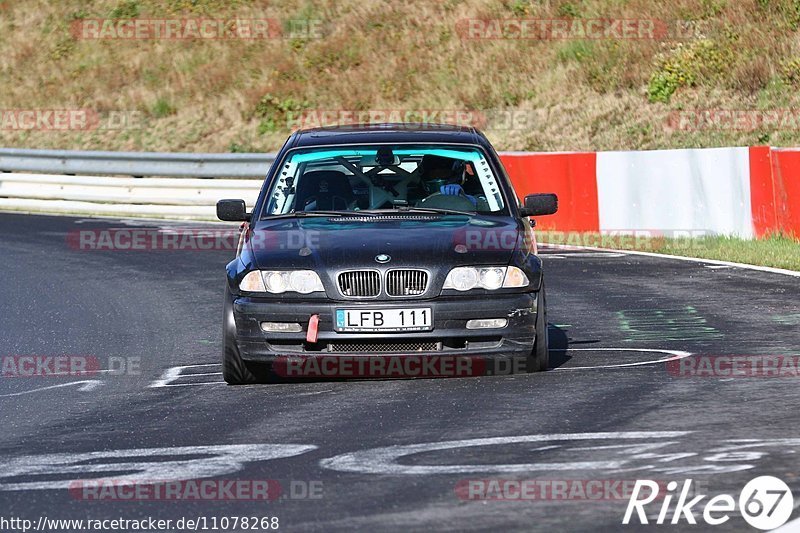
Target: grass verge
431	60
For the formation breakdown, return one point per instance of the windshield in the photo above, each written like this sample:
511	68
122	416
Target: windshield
384	177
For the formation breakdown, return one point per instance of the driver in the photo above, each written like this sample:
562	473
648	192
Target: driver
445	176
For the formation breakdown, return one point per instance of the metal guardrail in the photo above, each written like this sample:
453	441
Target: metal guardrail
179	198
137	164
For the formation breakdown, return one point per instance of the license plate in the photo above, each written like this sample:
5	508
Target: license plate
375	320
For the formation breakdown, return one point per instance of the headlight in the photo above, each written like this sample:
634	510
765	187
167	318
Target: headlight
252	282
490	278
515	278
462	279
280	281
276	282
305	281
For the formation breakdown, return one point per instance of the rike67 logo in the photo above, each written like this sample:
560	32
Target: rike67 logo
765	503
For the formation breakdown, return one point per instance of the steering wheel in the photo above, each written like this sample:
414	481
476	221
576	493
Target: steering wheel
447	201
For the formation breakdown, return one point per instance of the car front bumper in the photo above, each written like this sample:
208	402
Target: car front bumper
449	336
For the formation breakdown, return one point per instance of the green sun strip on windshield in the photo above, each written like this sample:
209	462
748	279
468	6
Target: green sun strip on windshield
328	154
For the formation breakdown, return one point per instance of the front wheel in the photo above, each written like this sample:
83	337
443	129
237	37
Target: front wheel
539	358
235	370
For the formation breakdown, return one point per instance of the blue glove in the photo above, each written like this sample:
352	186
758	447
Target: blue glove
451	190
456	190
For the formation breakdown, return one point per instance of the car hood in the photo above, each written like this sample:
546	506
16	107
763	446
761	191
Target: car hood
339	243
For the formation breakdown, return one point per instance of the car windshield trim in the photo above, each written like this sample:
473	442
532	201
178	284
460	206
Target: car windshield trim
485	165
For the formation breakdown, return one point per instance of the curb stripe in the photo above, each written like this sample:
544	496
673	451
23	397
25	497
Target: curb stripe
762	194
786	186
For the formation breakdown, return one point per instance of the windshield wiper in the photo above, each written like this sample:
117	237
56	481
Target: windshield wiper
433	210
301	214
370	212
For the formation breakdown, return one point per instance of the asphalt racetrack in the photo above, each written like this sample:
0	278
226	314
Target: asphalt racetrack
387	455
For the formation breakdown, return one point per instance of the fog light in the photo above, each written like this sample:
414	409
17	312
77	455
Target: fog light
281	327
487	323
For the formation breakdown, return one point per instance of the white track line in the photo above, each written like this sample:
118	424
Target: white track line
191	384
771	270
174	373
86	385
674	356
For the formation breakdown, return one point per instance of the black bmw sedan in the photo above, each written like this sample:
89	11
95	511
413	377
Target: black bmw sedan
384	250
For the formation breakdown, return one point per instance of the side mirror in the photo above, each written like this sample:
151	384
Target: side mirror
539	204
232	210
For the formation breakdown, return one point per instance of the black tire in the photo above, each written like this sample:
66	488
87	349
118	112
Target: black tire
539	358
235	371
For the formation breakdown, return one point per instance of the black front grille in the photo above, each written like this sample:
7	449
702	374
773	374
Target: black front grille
384	347
360	283
406	282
